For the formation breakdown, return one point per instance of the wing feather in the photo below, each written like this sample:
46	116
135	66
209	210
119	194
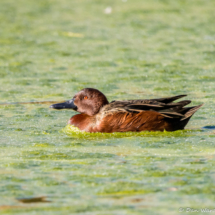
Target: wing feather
165	106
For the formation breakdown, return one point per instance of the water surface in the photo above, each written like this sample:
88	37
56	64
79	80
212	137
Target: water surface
144	49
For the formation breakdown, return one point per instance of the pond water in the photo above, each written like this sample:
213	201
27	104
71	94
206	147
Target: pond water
135	50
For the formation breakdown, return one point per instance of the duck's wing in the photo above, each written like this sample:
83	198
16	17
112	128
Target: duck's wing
165	106
167	100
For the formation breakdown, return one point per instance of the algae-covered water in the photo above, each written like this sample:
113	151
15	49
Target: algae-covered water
129	50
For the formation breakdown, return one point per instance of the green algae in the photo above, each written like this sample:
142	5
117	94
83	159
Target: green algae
75	132
144	49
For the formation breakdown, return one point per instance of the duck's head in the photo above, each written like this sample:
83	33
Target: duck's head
88	101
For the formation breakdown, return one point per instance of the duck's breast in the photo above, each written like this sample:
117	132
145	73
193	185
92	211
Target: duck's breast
83	121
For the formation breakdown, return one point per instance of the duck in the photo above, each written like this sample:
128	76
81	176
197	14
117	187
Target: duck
96	114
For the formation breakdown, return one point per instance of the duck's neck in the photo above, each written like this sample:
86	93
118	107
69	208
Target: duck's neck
83	121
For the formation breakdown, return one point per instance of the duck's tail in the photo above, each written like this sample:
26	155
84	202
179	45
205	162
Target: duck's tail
185	114
189	111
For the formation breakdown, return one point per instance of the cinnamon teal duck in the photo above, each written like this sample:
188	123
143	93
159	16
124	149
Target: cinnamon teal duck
98	115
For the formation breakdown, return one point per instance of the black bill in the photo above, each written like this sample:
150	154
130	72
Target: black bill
65	105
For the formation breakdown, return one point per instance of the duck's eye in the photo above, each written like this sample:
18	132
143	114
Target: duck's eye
85	97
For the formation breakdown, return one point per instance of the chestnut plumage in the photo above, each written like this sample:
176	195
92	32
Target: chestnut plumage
98	115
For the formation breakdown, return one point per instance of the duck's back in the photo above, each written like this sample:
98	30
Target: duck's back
140	115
